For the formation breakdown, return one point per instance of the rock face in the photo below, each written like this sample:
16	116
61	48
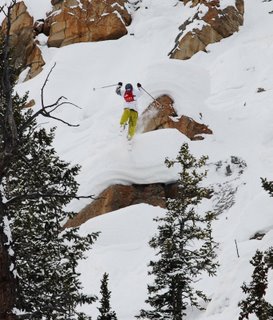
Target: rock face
25	51
214	25
120	196
161	114
73	21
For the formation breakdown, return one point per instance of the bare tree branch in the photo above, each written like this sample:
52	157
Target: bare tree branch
47	110
63	103
43	87
60	120
54	104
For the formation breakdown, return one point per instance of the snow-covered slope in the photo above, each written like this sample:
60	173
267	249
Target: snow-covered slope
222	85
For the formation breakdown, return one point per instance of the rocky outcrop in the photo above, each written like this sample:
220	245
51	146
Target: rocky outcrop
25	52
74	21
70	21
161	114
120	196
214	25
192	129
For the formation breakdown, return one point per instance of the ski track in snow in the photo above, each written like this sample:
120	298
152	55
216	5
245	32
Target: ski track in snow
221	84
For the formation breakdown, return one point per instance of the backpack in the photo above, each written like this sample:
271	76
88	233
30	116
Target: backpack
128	96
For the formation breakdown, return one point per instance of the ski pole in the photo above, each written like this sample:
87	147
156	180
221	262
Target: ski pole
148	93
156	101
238	255
108	86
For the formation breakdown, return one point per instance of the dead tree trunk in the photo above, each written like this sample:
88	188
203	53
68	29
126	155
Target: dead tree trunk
7	281
8	141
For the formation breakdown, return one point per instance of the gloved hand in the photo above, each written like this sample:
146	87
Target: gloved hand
120	84
138	85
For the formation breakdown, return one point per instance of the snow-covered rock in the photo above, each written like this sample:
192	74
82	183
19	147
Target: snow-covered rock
25	52
209	23
85	20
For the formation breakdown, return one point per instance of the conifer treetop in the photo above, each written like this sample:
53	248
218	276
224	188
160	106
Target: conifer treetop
184	245
105	309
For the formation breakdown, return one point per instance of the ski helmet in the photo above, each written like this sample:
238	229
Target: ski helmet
128	87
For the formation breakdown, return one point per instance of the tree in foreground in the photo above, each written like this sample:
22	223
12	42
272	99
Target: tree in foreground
268	186
38	259
184	245
255	302
105	309
38	185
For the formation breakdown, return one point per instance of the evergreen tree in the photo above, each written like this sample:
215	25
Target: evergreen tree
39	185
268	186
269	258
255	302
35	187
184	245
105	309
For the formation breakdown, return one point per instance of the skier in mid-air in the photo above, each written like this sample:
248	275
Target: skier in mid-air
130	112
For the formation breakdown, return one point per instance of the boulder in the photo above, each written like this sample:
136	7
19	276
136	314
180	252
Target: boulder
120	196
73	21
215	24
25	52
161	114
157	114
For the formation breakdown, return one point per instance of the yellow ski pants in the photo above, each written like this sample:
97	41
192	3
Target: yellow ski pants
129	116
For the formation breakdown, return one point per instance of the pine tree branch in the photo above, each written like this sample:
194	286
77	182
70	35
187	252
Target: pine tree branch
37	195
26	161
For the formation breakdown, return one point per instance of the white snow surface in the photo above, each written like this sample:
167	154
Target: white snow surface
222	85
38	8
